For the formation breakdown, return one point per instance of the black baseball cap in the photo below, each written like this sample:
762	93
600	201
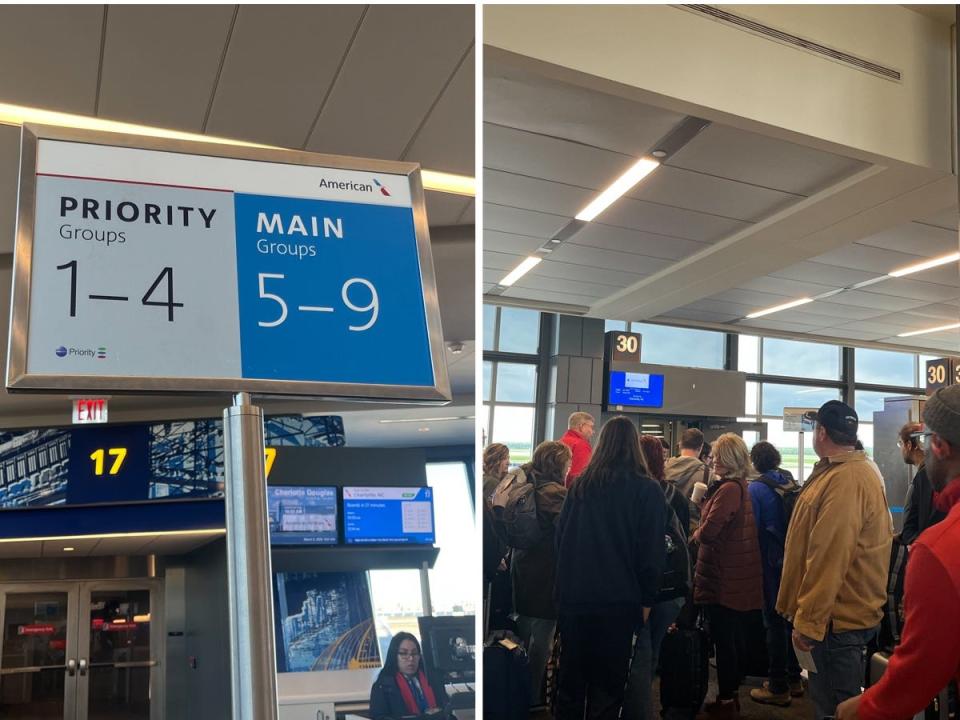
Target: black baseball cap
837	416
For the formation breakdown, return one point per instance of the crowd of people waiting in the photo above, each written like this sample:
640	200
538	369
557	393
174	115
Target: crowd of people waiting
629	544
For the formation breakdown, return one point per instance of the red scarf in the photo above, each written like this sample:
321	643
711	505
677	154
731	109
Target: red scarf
948	497
407	693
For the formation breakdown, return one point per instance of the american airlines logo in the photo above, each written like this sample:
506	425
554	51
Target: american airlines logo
354	186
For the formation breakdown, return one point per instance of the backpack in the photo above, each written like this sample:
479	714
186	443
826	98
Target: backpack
515	511
675	581
788	493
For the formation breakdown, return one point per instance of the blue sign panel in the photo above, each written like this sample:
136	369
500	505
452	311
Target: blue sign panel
635	389
388	515
328	291
110	464
302	515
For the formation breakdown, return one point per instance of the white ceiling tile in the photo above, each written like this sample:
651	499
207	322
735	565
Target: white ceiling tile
500	261
915	238
885	325
821	274
548	158
783	286
521	245
866	258
697	315
666	220
446	140
160	63
487	287
444	208
300	44
748	157
530	102
50	55
492	275
848	333
938	311
946	218
561	271
864	299
709	194
597	234
609	259
721	306
504	188
944	275
844	312
549	296
521	222
775	325
574	287
751	297
907	288
402	57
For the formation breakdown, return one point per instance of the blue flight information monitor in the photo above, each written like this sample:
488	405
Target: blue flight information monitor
302	515
635	389
386	515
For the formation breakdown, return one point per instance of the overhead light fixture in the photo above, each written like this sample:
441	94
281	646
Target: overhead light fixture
621	185
106	536
778	308
427	419
520	270
69	549
423	429
953	326
20	114
925	265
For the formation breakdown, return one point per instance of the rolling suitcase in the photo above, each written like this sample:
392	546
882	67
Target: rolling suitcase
938	709
684	671
506	678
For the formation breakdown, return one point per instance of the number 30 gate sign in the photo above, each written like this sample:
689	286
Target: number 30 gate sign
158	265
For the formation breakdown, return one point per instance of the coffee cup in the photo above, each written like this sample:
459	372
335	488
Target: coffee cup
699	489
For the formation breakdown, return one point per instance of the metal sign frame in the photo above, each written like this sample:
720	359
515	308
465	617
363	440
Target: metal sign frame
19	380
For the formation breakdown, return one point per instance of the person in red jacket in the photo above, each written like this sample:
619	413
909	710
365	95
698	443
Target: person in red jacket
928	656
577	438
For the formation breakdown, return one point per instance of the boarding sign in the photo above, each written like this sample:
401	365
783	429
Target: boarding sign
145	264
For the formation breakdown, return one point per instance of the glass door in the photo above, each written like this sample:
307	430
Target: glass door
120	645
38	666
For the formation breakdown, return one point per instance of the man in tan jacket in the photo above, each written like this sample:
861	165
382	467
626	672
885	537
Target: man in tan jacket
836	559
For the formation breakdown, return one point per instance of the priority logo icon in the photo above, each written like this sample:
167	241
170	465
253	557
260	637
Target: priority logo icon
383	189
101	353
61	351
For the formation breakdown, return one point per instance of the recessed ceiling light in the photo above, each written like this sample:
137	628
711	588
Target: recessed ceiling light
423	429
640	169
20	114
778	308
925	265
69	549
659	153
941	328
520	270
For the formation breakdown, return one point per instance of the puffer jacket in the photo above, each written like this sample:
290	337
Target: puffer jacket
533	570
728	569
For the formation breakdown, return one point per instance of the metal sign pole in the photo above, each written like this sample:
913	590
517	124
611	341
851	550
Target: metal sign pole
253	672
800	460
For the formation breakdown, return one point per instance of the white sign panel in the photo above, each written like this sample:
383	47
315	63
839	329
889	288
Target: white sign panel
793	420
175	266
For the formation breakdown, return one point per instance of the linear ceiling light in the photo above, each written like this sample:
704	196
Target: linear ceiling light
925	265
621	185
19	114
953	326
426	419
520	270
778	308
106	536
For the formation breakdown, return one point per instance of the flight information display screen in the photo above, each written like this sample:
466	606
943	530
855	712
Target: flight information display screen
302	515
635	389
386	515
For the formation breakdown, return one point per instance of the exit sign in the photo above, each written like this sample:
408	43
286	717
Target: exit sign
88	411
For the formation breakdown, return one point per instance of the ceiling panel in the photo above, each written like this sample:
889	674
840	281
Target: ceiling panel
710	194
467	216
936	312
504	188
500	261
385	87
943	275
492	275
759	325
446	140
300	44
563	271
576	287
846	312
862	298
596	234
848	333
549	296
885	325
821	274
507	242
28	548
549	158
445	208
758	300
915	238
55	548
687	313
946	218
666	220
527	101
783	286
770	163
907	288
867	258
122	545
149	79
56	51
521	222
610	259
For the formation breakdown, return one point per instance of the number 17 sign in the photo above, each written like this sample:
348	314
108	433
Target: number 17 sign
146	264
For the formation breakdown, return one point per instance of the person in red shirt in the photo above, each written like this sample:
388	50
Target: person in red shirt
928	656
577	438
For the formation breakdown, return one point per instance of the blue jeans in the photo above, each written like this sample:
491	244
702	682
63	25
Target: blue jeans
537	635
638	699
841	667
784	667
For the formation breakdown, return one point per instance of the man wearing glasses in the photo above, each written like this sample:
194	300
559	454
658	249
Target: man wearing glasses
928	656
836	558
919	512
